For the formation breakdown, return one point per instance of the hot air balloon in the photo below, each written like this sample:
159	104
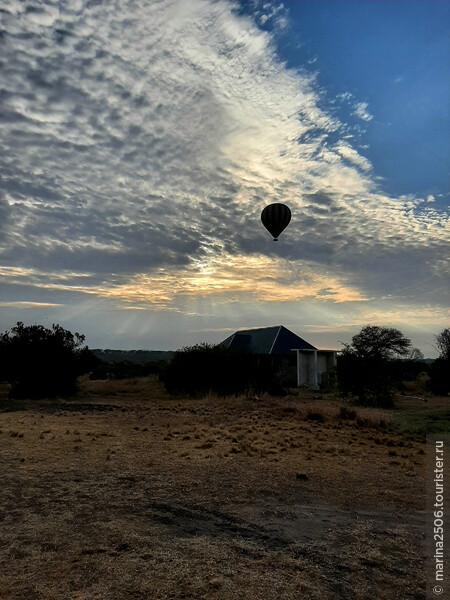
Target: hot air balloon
275	218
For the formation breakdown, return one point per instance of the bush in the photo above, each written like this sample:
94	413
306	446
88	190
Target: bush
439	372
40	362
408	370
315	415
347	413
368	367
204	368
369	379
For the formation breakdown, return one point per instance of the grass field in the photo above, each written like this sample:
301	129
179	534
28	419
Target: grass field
126	492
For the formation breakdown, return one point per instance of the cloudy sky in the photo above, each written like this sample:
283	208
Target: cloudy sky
140	140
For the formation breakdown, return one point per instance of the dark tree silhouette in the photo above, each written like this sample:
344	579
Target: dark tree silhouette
366	366
443	343
205	368
40	362
440	369
379	342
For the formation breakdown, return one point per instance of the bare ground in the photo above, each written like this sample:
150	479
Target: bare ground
126	492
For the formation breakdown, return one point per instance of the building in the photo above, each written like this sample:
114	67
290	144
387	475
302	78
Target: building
295	359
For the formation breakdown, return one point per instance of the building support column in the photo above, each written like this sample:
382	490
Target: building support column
315	378
298	368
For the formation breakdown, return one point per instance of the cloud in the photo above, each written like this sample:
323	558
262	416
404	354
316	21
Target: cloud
4	215
225	277
122	141
139	143
231	277
271	12
350	154
362	112
25	303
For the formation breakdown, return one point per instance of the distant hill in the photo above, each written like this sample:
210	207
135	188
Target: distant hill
134	356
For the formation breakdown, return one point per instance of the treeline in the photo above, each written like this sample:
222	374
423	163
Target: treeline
125	369
126	364
140	357
372	366
38	362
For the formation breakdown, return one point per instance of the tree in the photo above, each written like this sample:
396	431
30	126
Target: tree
440	369
365	367
414	355
443	343
383	343
40	362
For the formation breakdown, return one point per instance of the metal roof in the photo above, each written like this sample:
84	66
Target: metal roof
266	340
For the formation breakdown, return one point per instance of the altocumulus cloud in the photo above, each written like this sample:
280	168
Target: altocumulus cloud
140	141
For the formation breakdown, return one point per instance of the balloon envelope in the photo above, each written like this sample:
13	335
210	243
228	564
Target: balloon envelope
276	218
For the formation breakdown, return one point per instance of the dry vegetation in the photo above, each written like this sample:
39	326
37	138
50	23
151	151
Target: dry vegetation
126	492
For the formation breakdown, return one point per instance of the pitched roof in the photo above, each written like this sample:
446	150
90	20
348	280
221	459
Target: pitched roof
266	340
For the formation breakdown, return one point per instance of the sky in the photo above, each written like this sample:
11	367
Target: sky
140	141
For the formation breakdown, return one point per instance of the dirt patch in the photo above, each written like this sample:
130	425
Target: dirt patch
181	498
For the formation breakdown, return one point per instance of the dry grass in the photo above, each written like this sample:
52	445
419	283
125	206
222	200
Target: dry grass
127	492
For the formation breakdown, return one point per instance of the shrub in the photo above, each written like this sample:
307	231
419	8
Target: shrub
347	413
315	415
439	372
205	368
369	379
40	362
366	367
